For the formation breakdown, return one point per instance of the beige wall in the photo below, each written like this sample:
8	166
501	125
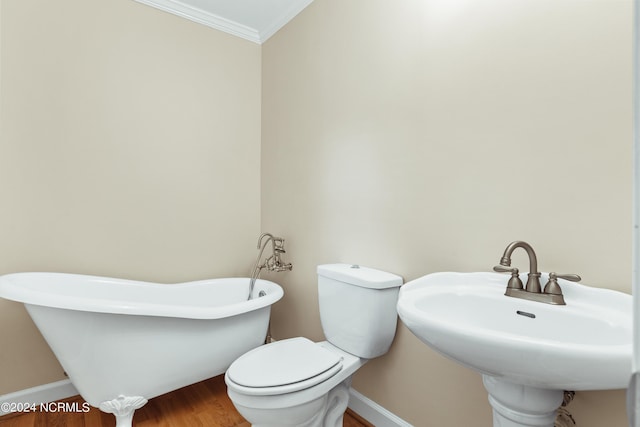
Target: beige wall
407	136
423	136
129	147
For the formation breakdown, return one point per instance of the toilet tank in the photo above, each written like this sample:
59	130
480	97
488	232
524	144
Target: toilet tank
358	308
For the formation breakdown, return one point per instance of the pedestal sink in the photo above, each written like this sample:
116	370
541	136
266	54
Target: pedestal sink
528	352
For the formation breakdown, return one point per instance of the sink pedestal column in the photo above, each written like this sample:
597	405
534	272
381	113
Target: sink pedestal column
516	405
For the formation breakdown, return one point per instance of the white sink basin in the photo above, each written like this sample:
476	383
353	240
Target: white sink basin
583	345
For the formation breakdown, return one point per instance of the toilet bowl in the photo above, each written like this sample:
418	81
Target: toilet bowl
315	381
296	382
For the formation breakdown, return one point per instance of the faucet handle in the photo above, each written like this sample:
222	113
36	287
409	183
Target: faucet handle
514	281
552	286
503	269
569	277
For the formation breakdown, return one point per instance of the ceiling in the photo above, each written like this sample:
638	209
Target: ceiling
254	20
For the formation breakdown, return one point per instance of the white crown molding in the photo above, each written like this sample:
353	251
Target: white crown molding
296	8
203	17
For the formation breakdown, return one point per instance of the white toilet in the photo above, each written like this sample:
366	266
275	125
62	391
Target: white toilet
297	382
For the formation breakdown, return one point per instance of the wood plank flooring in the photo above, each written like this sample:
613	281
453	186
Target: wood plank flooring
204	404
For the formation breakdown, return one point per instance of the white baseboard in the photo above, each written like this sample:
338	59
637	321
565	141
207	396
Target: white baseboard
374	413
360	404
41	394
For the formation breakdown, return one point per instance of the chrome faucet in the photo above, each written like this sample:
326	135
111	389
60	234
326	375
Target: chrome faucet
272	263
552	294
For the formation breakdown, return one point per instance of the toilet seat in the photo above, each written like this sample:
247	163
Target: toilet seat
283	367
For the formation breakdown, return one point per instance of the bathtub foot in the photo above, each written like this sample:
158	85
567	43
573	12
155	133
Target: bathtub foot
123	407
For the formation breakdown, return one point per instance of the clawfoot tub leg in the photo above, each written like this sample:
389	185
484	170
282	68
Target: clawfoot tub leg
123	407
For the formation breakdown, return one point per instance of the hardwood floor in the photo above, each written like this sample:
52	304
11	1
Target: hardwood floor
204	404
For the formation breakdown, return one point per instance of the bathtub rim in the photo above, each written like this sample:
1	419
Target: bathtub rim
11	289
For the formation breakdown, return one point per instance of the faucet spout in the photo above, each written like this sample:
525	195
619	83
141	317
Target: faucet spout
533	281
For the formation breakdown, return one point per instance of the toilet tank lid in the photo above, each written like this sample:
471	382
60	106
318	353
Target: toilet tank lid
360	276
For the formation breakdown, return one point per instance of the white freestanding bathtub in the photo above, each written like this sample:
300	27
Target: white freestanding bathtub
122	342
